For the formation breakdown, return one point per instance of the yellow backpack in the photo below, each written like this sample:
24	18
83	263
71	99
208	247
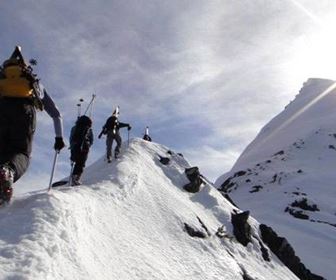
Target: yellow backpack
15	82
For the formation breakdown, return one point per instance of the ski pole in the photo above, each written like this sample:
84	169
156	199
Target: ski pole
128	137
91	109
53	169
90	104
71	171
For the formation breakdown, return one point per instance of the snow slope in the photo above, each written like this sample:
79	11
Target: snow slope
128	222
287	178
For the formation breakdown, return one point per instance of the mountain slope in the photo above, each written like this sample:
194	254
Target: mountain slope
129	221
286	176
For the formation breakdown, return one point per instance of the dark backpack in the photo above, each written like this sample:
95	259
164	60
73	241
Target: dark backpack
81	134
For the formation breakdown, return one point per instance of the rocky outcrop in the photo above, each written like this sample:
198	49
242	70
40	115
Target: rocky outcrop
241	228
285	252
195	179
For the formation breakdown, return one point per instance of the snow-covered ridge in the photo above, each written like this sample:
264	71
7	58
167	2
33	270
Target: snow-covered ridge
286	176
300	118
129	222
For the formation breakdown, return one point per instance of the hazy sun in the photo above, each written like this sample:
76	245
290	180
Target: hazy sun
316	51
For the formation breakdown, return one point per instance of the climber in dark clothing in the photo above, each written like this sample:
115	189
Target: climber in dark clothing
146	136
19	98
111	129
81	139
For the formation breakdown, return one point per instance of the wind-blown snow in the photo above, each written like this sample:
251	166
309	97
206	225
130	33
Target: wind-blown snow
294	159
127	222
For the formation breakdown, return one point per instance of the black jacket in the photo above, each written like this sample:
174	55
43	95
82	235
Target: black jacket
112	124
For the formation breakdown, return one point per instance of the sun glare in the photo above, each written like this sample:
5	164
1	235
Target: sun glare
316	50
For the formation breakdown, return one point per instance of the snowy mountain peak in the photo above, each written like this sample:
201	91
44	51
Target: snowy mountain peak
132	219
286	176
312	109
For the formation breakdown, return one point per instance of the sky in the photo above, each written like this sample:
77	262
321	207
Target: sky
204	75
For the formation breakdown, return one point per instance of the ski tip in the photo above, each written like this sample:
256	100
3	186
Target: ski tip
59	183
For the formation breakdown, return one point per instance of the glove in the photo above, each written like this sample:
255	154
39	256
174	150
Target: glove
129	127
59	143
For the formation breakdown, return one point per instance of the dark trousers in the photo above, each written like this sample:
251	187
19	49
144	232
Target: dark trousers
17	127
79	157
109	141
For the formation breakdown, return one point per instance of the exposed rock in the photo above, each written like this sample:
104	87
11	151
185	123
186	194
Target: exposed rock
192	173
239	173
274	178
164	160
323	222
284	251
299	193
245	275
241	228
264	252
297	213
256	189
197	232
195	179
304	205
222	233
279	153
227	185
204	226
194	232
229	199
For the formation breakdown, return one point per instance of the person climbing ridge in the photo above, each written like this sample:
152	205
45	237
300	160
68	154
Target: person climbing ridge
81	139
111	129
146	136
21	94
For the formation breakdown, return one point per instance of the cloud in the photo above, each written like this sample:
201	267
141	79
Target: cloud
204	75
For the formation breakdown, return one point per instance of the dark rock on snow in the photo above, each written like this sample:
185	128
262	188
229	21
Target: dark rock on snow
285	252
297	213
304	205
256	189
164	160
239	173
241	228
194	232
195	179
279	153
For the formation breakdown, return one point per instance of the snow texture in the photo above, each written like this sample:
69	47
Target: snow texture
129	221
286	176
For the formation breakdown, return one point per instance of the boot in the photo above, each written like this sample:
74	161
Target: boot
76	180
6	182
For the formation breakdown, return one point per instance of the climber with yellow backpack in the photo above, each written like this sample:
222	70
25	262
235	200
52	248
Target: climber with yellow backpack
21	94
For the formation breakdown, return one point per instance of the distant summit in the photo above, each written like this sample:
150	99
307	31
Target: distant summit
286	176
